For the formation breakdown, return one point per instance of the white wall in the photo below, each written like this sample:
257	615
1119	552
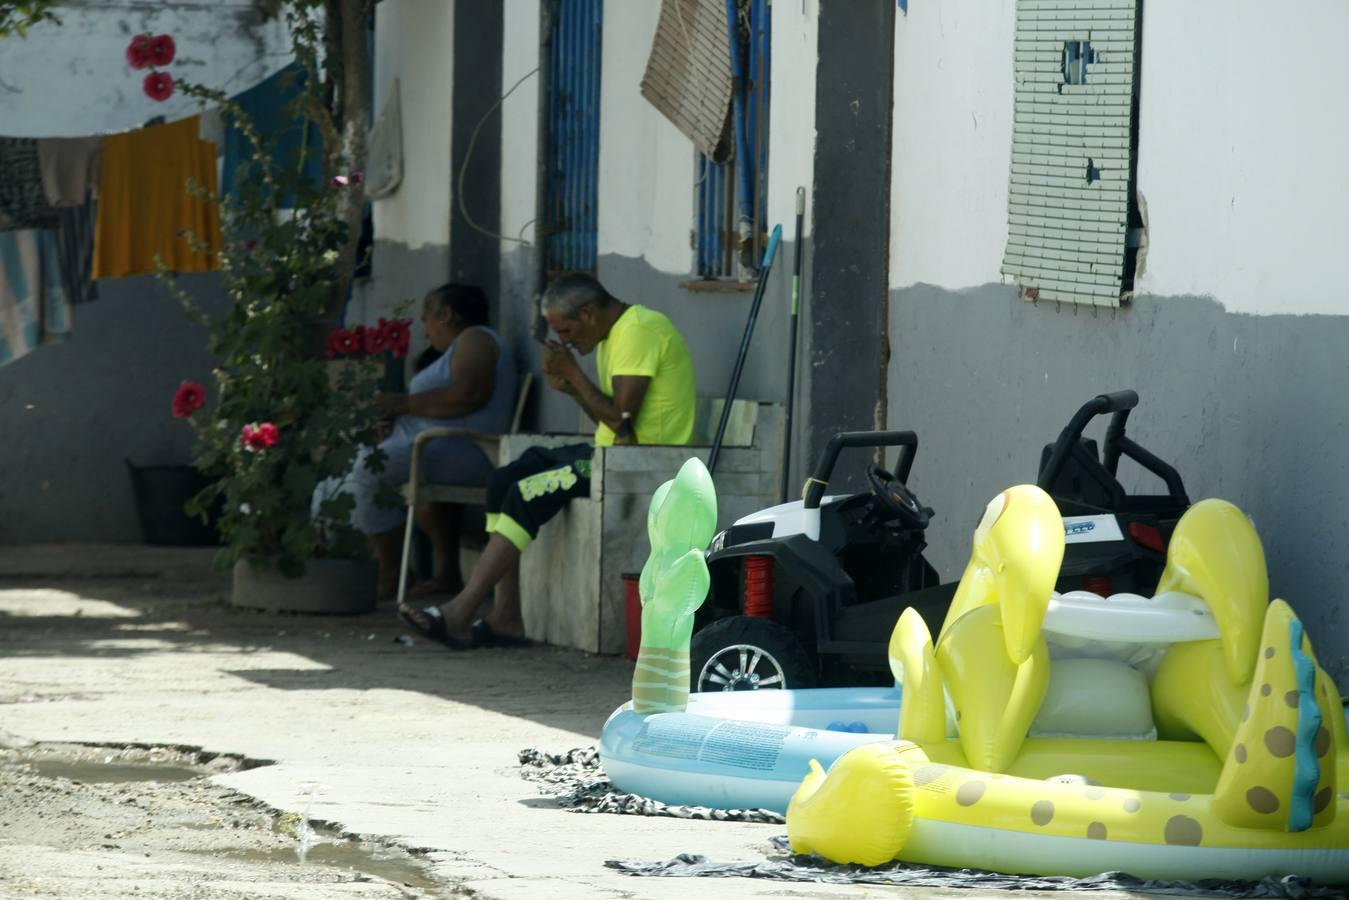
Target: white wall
1244	137
952	142
415	43
71	79
646	164
519	120
791	111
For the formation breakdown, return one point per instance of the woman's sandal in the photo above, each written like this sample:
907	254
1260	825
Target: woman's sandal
436	629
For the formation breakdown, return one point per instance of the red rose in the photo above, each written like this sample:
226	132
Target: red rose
189	398
398	334
159	86
138	52
259	437
376	340
161	50
343	343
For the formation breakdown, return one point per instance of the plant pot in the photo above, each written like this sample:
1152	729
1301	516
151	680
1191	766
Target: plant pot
161	493
329	586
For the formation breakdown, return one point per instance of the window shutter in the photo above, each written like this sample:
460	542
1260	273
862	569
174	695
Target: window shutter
1074	134
688	75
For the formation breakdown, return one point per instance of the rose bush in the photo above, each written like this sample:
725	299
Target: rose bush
284	418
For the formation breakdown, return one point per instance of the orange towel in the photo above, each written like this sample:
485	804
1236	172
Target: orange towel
144	207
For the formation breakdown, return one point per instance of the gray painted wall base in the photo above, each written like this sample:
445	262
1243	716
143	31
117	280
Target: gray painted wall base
72	412
1249	409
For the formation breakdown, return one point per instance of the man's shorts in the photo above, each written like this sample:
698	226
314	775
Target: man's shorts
530	491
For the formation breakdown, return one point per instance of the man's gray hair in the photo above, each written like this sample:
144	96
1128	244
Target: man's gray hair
568	293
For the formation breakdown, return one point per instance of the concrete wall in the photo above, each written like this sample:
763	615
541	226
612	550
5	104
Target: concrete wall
1235	340
65	479
646	199
71	413
71	79
413	43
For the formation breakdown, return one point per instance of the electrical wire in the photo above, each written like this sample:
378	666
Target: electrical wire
468	156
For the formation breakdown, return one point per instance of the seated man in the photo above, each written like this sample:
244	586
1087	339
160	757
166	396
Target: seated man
645	395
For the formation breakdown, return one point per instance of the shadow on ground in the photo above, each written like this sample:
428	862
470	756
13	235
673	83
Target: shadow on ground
126	602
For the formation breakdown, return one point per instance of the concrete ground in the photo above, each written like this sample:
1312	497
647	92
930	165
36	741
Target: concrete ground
412	746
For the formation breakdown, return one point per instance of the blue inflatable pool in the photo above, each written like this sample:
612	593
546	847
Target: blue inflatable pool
742	750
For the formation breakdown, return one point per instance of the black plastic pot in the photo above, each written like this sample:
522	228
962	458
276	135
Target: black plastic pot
161	493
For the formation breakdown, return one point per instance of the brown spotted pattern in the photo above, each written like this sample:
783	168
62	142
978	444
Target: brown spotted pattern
1042	813
1262	800
1280	741
1183	830
1322	743
970	792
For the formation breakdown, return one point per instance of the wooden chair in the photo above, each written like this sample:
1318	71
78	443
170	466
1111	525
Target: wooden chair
416	491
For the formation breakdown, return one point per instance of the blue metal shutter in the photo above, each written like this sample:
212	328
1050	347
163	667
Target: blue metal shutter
571	229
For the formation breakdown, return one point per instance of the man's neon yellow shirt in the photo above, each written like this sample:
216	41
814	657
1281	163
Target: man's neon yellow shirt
644	342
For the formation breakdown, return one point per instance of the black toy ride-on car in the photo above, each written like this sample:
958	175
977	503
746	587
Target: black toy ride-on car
806	594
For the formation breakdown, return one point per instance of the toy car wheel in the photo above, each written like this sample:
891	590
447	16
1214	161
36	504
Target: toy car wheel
745	653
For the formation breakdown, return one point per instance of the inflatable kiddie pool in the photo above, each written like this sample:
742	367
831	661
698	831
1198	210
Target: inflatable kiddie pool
741	750
750	749
1188	735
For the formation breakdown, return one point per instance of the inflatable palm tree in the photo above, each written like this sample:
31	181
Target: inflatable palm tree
680	523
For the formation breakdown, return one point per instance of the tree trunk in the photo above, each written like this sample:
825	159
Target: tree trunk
346	93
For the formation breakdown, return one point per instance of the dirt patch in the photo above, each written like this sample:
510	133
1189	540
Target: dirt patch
78	821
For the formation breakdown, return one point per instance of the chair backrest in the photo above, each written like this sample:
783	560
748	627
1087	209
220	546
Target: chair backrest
522	395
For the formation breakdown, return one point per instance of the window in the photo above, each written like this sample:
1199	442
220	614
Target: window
1072	198
729	232
571	227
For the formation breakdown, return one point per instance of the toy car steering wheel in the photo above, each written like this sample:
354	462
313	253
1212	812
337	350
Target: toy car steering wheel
897	498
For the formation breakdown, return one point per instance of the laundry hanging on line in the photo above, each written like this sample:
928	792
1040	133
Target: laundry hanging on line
48	184
34	307
294	141
145	209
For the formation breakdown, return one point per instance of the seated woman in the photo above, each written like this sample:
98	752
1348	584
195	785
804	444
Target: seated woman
471	385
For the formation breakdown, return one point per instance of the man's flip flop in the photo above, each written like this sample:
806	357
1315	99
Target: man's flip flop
485	636
436	630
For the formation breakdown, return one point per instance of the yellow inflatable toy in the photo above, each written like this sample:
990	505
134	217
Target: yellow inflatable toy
1188	735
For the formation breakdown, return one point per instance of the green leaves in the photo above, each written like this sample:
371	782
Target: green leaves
17	16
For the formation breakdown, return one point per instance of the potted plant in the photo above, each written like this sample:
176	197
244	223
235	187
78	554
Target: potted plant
294	398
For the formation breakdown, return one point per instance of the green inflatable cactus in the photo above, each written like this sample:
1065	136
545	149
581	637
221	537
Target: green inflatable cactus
680	524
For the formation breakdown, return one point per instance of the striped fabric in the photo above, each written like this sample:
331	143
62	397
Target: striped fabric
34	306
